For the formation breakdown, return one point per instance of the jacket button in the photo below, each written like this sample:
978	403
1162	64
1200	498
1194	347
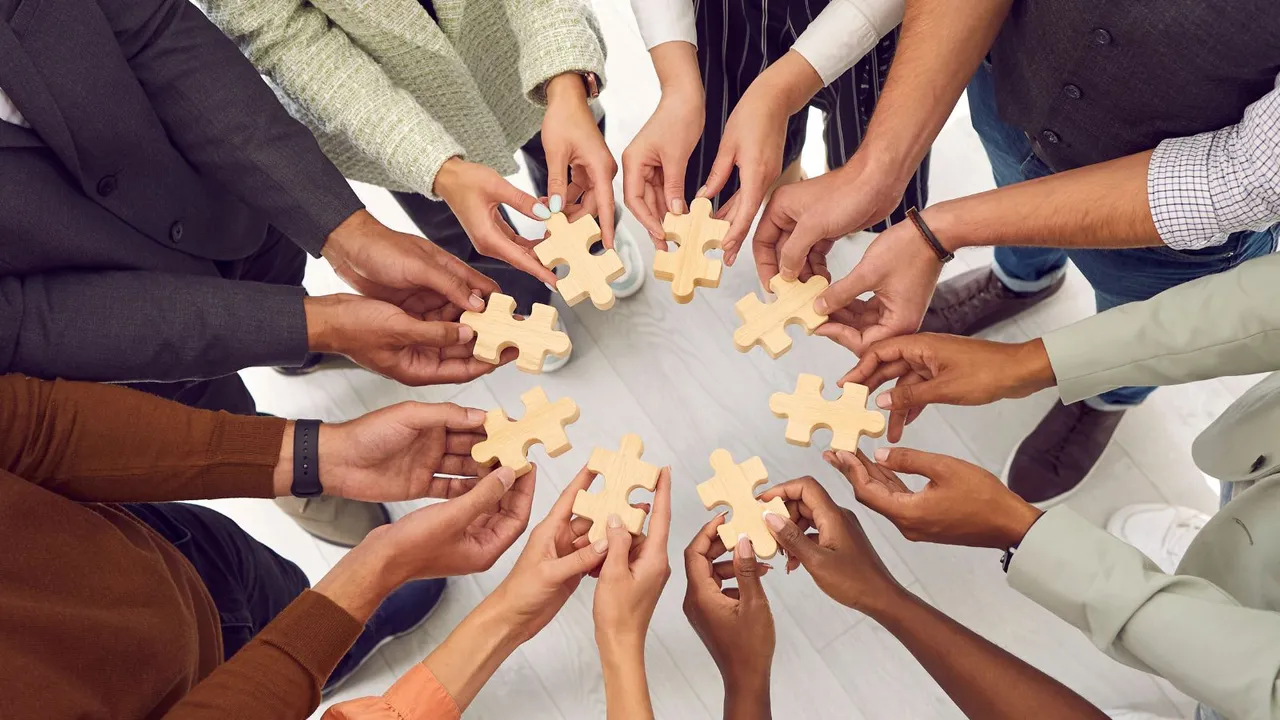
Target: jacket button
175	232
107	185
1101	36
1071	91
1050	137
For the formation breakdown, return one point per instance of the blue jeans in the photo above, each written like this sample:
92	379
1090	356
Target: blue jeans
1117	276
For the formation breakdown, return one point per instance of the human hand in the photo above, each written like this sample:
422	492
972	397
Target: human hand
653	165
475	192
577	154
839	557
429	349
633	575
963	504
753	140
902	270
932	368
405	270
735	624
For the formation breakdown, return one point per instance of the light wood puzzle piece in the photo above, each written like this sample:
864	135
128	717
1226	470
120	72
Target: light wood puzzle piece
847	417
535	337
569	243
687	267
509	440
623	471
734	484
765	323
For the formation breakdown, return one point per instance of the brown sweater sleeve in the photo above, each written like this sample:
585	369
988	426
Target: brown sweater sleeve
278	675
104	443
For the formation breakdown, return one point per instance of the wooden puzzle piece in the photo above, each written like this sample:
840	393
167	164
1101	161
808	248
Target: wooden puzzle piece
687	267
623	471
734	484
569	243
846	417
509	440
498	329
765	323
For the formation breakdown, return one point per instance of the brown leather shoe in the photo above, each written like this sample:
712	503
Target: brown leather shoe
335	520
1059	454
976	300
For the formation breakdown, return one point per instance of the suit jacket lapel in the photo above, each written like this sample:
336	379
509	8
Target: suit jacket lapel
21	82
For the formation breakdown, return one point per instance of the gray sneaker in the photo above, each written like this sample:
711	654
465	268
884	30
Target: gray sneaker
334	520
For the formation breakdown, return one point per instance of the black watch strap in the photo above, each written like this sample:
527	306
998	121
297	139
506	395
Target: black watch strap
943	254
306	459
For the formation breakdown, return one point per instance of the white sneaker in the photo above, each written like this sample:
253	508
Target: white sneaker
1125	714
1162	532
627	248
554	362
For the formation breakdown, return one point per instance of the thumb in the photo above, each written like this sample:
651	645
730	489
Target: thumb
747	570
484	497
580	561
791	538
433	333
910	396
721	168
521	201
844	291
673	183
795	250
618	559
917	462
425	416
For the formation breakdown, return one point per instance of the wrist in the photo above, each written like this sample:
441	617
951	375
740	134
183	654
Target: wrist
1034	370
322	326
946	225
363	578
1017	522
886	604
620	646
282	477
747	698
348	231
791	81
566	88
448	177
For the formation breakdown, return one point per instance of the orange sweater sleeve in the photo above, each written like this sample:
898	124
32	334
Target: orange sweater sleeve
91	442
417	695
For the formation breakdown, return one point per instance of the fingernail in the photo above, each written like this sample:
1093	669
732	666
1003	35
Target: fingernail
465	333
744	546
614	520
541	212
475	415
507	477
881	454
600	545
883	400
702	191
676	206
556	203
774	520
477	302
820	306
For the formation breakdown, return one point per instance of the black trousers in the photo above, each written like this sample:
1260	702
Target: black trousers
250	584
738	40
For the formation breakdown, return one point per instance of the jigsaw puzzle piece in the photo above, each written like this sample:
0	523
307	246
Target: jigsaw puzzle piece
508	441
734	485
622	472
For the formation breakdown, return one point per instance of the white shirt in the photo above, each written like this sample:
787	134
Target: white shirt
9	112
842	33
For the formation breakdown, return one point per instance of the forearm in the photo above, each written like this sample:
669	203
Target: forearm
747	699
625	685
676	64
791	80
1096	206
983	680
465	661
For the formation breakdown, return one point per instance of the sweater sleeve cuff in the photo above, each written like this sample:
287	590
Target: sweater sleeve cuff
842	34
243	454
575	48
315	631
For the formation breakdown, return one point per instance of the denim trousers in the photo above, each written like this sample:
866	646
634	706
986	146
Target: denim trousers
1117	276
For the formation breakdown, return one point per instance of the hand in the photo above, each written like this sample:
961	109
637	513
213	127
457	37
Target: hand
576	152
902	270
405	270
475	193
399	452
633	575
808	216
753	141
653	165
963	504
430	349
947	369
554	561
839	557
735	624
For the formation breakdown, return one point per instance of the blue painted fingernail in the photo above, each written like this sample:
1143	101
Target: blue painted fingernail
556	202
541	212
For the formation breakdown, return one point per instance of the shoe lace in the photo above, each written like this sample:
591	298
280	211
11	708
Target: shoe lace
980	297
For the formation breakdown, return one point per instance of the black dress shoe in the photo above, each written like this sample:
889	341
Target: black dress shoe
974	301
318	361
1056	458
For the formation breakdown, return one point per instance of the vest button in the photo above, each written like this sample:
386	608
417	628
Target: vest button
1050	137
1101	36
1071	91
107	185
175	232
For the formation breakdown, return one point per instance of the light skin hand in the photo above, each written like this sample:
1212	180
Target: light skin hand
951	370
576	153
963	504
475	193
735	624
753	142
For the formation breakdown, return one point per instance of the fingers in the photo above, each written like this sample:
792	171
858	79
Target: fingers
752	196
748	572
580	561
636	176
794	253
878	496
520	201
904	388
452	278
485	496
423	416
721	169
764	245
655	545
617	561
812	499
673	167
697	556
917	462
557	179
843	291
563	509
792	538
602	189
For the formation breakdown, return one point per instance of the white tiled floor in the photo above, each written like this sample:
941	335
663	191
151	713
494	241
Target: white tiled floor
670	373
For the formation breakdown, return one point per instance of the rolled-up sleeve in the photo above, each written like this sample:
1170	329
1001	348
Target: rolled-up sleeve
844	32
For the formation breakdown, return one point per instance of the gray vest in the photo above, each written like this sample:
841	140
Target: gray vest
1094	80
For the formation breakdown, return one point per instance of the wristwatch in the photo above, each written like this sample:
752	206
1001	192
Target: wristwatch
592	82
306	459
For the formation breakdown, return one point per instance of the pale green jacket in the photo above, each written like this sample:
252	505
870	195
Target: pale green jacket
1213	629
391	95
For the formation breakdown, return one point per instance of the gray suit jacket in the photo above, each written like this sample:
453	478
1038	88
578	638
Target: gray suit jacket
156	159
1213	629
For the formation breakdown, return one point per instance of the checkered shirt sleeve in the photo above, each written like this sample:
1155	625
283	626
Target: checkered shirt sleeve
1204	187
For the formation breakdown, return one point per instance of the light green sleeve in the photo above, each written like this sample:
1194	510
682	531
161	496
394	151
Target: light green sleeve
1180	627
340	88
556	37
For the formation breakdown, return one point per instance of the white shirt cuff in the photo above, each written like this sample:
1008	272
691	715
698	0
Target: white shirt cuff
663	21
844	32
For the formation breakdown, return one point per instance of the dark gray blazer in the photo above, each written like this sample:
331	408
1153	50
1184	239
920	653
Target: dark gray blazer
156	154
